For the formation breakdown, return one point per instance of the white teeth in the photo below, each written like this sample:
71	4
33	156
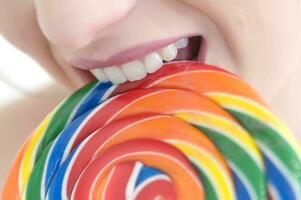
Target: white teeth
115	75
152	62
182	43
169	53
100	75
134	70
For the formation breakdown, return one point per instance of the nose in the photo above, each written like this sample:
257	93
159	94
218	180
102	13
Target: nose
72	24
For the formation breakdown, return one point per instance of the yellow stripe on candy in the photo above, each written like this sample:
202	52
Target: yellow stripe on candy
229	129
216	173
257	111
30	152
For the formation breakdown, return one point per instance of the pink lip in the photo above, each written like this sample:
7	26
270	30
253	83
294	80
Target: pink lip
124	56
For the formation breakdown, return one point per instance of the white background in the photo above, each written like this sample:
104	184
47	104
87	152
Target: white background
27	94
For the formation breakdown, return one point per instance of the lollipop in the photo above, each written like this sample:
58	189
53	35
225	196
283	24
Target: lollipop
196	132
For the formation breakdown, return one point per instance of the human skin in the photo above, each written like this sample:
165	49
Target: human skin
258	39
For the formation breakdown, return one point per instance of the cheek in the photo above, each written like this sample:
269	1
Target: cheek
77	77
263	37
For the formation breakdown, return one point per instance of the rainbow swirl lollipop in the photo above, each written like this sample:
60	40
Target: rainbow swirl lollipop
188	131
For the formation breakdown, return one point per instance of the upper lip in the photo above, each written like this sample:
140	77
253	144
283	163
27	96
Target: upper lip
127	55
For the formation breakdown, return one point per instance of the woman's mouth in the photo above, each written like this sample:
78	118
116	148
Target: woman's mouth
134	64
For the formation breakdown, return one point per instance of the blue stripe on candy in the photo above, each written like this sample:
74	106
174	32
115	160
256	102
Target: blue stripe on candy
93	98
55	188
57	152
279	181
146	173
241	192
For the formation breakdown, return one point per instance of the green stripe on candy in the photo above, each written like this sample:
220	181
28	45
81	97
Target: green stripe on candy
209	189
33	188
273	141
243	161
61	117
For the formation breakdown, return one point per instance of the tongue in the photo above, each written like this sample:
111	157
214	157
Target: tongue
191	51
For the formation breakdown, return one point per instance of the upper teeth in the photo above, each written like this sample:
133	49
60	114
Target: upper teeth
152	62
181	43
136	70
114	74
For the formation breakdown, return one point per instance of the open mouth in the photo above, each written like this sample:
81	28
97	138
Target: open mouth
189	48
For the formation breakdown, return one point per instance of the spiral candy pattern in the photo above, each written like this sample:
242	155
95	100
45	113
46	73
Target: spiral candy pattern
188	131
